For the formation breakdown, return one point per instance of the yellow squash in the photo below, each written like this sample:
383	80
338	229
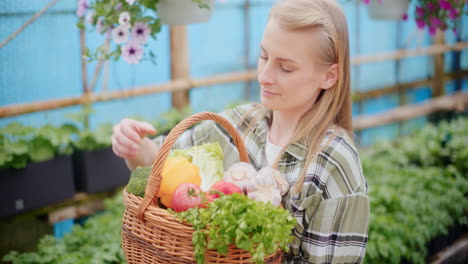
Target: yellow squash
176	170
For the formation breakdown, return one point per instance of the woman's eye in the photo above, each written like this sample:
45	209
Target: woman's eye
285	69
263	57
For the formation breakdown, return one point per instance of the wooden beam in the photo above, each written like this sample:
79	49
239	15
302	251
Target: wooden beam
75	211
457	101
407	53
177	85
184	85
362	96
180	65
455	253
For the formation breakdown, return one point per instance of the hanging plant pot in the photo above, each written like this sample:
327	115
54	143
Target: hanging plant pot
179	12
387	9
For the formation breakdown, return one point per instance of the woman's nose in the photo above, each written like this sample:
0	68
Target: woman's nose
265	75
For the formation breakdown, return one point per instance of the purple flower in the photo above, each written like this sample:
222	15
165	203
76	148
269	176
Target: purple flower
405	17
120	34
453	13
432	7
82	6
432	31
118	7
419	11
455	31
132	52
435	22
420	23
445	4
368	1
130	2
140	32
124	19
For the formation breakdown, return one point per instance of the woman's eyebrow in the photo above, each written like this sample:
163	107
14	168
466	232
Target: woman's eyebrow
280	59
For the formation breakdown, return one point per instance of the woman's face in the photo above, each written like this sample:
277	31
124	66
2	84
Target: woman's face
289	70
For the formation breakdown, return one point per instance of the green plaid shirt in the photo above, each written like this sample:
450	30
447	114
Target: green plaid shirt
332	210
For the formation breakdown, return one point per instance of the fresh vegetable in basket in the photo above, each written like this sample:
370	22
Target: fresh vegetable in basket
186	196
267	185
209	158
176	171
139	180
258	227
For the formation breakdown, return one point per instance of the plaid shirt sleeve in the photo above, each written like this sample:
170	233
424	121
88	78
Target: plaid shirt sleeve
332	210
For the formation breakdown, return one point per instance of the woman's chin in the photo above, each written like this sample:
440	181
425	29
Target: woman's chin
269	104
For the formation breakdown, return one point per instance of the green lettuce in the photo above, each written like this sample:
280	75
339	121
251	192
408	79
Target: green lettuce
209	158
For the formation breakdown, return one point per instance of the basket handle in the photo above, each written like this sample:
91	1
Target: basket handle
154	181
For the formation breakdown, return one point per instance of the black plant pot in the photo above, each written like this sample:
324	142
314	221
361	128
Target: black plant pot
99	170
39	184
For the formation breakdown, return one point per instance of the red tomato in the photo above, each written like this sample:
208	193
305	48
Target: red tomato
226	188
186	196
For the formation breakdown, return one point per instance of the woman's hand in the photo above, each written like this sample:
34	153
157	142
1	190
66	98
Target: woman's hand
127	136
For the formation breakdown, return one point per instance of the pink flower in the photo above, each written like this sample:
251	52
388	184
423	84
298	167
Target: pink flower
132	52
140	32
453	13
445	4
124	19
368	1
432	7
120	34
420	23
432	31
419	11
405	17
435	22
82	6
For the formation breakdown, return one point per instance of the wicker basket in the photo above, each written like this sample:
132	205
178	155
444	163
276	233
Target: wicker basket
152	235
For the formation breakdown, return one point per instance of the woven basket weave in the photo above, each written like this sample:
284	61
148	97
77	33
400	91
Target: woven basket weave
152	235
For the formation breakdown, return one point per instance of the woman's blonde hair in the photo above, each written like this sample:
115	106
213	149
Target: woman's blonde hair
333	105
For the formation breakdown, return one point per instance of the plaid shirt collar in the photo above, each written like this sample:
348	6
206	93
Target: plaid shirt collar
296	150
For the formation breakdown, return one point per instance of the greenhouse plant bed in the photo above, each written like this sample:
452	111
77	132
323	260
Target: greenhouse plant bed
37	185
99	170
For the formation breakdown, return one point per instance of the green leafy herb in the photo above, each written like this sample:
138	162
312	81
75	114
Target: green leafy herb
255	226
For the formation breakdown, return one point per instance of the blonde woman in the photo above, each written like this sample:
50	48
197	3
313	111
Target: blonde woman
302	127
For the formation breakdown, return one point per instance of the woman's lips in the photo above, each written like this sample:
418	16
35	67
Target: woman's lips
268	93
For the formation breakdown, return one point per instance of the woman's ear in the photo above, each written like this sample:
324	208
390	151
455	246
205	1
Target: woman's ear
330	77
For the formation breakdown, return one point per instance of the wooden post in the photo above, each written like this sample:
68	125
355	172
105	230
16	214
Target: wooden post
439	83
438	87
180	67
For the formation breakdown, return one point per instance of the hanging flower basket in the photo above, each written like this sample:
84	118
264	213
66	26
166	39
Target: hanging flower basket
387	9
179	12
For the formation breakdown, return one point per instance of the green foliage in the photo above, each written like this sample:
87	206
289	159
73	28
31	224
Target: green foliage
417	190
22	144
139	180
255	226
171	118
97	242
85	139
